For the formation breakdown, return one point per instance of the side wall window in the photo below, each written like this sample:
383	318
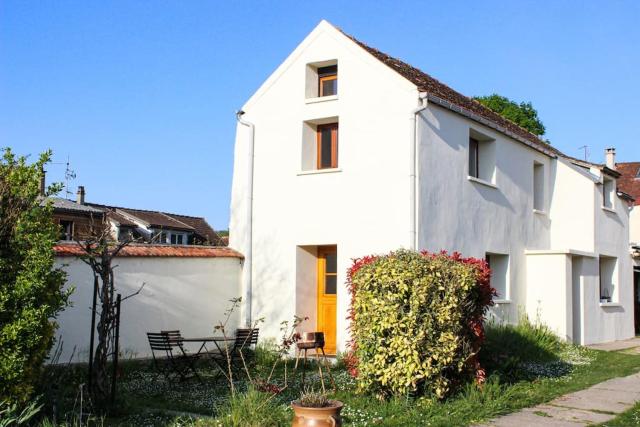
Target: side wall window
499	264
608	279
482	157
538	187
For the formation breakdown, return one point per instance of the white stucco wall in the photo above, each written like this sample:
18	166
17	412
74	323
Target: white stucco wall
362	207
189	294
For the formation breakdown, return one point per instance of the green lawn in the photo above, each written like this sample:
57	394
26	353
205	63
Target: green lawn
148	401
626	419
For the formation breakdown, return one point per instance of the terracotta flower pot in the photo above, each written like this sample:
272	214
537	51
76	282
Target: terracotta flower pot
329	416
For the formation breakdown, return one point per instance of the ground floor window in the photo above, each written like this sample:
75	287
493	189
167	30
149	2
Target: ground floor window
499	264
608	278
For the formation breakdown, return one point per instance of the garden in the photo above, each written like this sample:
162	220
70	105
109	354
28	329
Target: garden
421	349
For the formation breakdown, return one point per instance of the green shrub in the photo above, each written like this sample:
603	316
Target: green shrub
417	321
30	287
252	409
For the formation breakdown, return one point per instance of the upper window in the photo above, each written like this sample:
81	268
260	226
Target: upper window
327	140
538	186
328	80
482	157
608	192
321	80
66	230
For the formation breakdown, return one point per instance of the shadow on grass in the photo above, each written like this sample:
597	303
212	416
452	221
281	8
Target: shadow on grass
522	351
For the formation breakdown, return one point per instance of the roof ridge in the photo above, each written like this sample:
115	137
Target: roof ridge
176	220
144	210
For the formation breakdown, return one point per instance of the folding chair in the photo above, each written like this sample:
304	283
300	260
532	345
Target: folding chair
166	361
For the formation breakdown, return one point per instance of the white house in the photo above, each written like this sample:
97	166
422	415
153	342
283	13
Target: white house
345	151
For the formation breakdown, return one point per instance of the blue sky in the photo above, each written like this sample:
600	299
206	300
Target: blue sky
141	95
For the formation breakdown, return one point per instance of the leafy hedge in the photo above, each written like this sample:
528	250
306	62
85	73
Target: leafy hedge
417	321
31	288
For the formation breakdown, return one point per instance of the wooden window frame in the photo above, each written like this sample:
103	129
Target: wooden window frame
326	79
334	145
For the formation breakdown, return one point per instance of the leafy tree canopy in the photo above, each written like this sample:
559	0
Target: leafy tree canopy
523	114
31	287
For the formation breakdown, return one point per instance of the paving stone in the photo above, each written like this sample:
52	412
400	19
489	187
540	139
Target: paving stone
599	400
571	414
529	419
628	384
617	345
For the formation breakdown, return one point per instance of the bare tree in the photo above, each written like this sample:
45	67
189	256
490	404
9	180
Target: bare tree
100	249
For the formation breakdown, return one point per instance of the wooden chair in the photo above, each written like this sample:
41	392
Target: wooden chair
313	341
167	360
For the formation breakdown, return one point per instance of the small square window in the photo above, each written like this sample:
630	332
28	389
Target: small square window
482	156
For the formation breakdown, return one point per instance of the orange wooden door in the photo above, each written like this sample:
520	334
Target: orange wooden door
327	287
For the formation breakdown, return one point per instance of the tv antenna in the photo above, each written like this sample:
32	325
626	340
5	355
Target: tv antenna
69	174
586	152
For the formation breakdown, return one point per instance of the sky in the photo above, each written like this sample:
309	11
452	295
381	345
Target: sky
141	96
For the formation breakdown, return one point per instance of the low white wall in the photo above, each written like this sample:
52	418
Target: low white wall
186	293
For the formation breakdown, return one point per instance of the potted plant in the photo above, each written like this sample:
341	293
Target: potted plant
317	410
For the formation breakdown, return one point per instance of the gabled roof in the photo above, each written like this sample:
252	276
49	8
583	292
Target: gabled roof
629	182
451	99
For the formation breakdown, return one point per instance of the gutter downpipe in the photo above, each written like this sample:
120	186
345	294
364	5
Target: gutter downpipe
413	167
247	277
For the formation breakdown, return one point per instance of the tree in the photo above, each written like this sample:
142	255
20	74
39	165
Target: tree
522	114
31	287
100	249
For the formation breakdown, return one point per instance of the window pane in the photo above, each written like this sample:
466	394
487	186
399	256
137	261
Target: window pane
325	148
473	158
331	70
329	87
332	263
173	239
330	285
179	239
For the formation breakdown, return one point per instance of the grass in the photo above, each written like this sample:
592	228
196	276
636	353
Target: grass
626	419
527	366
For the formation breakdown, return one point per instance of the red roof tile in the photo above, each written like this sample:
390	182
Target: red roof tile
629	182
153	250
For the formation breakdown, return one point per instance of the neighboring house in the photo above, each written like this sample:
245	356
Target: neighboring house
75	218
629	182
343	141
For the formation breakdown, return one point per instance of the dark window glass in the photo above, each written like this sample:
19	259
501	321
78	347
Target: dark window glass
331	70
473	158
332	263
330	285
66	230
325	148
174	239
328	87
179	239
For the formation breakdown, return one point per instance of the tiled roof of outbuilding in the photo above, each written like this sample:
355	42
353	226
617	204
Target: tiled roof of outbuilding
154	250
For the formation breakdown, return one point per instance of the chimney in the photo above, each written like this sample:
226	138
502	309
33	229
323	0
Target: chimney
80	195
610	156
42	187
